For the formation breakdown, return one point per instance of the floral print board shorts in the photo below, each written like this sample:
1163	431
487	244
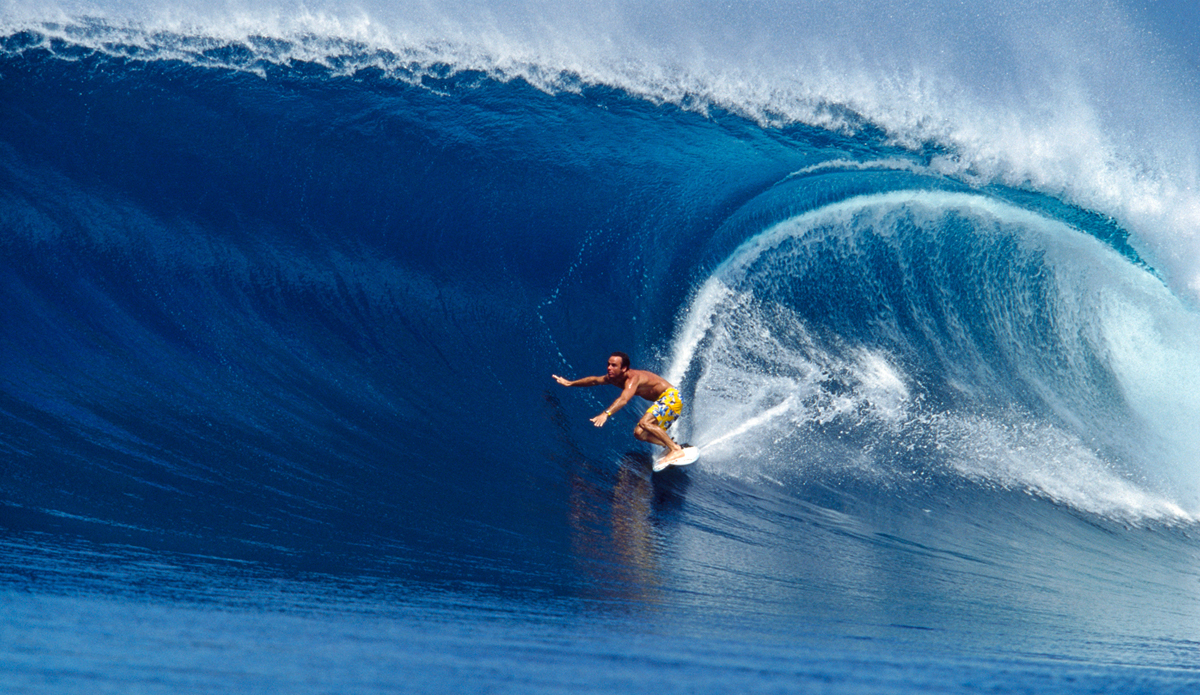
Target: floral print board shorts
667	408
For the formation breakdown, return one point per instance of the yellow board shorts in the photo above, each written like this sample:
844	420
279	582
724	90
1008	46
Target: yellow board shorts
667	408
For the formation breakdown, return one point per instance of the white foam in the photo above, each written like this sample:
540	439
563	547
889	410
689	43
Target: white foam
1154	350
1045	460
753	423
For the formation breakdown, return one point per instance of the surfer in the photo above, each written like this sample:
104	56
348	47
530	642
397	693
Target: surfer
665	406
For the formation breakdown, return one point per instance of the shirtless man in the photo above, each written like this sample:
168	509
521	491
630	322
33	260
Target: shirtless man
666	405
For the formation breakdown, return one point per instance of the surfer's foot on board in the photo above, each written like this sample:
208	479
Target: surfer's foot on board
671	456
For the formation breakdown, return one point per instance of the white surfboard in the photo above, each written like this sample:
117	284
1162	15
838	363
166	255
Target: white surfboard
690	455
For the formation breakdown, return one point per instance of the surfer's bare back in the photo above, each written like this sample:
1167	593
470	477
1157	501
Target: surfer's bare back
665	407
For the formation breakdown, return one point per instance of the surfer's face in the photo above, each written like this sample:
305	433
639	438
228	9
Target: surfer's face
614	367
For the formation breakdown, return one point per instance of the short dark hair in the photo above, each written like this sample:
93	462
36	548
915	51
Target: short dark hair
624	359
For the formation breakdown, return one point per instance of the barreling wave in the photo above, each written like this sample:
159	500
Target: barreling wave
258	286
915	333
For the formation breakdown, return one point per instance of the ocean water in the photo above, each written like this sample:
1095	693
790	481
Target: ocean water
282	288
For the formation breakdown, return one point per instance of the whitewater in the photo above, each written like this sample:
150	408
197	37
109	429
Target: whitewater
282	287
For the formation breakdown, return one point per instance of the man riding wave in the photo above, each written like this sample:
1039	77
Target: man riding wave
666	403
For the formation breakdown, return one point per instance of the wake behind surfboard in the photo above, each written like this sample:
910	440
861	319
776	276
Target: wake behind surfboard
690	455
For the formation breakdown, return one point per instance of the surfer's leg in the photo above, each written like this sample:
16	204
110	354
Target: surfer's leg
657	418
648	430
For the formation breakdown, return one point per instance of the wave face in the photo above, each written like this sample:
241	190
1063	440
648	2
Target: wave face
285	296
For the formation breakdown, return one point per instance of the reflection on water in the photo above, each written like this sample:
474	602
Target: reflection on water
616	519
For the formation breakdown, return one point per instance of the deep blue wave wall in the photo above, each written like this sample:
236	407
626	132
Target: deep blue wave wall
294	312
307	309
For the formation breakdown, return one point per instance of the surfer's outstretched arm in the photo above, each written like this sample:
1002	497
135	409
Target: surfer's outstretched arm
584	381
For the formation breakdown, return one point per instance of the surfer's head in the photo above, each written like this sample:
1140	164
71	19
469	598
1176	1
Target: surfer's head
618	364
